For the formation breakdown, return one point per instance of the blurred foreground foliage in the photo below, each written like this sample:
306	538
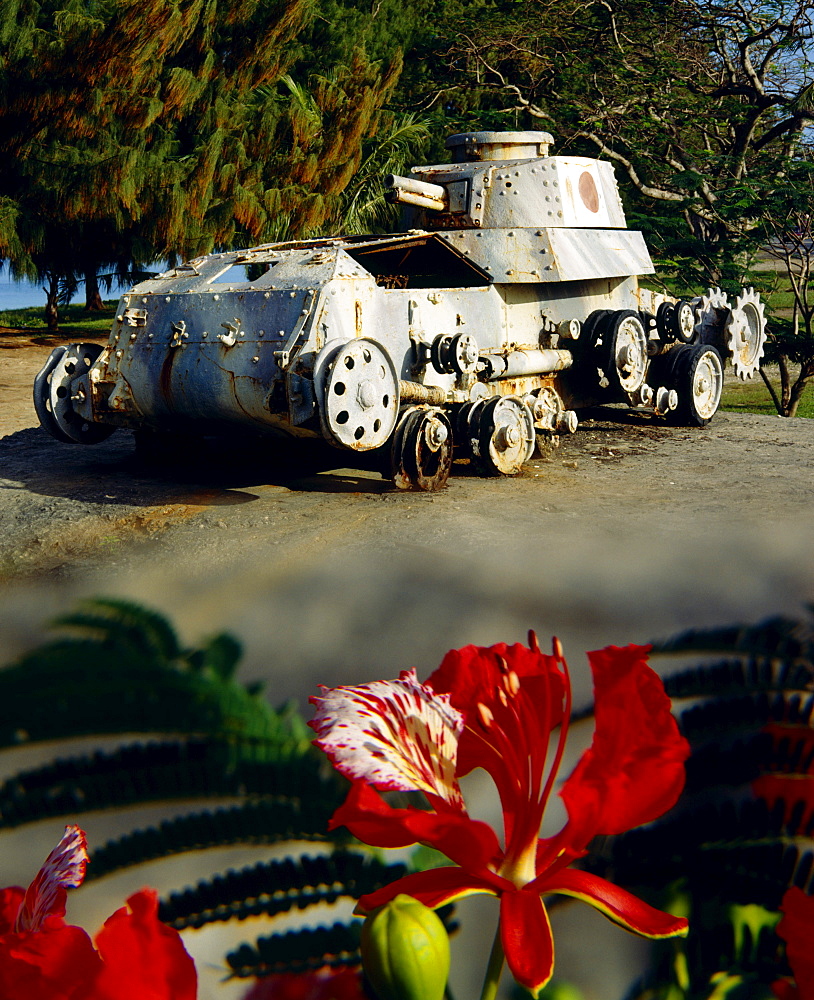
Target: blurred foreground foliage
743	831
188	730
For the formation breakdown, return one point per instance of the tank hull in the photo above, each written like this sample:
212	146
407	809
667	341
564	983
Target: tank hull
479	330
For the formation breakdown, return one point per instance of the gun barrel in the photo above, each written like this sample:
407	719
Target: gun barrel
409	191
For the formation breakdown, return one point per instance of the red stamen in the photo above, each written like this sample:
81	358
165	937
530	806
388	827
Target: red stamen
538	730
566	718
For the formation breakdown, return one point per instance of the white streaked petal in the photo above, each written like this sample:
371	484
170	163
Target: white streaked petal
64	868
398	735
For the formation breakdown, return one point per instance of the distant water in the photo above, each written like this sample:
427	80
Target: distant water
22	294
19	294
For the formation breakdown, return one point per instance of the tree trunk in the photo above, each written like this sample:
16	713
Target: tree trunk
797	391
93	298
711	234
785	385
775	399
51	304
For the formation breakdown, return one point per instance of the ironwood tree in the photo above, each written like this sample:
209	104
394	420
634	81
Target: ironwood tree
143	129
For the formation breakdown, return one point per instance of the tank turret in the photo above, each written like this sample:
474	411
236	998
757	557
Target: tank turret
510	302
501	180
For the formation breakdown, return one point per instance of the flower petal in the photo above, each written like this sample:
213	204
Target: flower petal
784	989
434	888
475	675
10	901
470	843
617	904
142	956
320	984
512	698
794	792
398	735
797	930
634	770
64	868
527	940
56	962
472	674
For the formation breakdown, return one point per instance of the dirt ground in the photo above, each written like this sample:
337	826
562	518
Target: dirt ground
630	531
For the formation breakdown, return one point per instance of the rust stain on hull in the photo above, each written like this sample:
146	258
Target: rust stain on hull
165	378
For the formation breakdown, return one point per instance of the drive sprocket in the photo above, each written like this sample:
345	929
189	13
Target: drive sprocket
745	333
711	313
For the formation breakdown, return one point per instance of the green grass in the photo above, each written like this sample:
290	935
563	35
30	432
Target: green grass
781	299
753	397
73	319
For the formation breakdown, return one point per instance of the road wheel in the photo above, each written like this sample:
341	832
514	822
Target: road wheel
697	375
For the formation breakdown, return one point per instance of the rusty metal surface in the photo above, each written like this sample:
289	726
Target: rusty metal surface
528	255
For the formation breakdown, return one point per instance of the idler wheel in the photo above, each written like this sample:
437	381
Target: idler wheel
361	396
421	451
454	355
56	388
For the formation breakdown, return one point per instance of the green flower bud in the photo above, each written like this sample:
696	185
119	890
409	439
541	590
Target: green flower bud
405	951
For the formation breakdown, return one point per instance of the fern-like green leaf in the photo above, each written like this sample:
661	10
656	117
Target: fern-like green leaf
117	622
724	962
780	637
298	951
739	676
717	717
742	852
220	655
45	696
277	887
156	772
265	821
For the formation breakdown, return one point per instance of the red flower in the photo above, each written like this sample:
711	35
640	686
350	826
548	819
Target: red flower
496	709
793	787
43	958
797	930
319	984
